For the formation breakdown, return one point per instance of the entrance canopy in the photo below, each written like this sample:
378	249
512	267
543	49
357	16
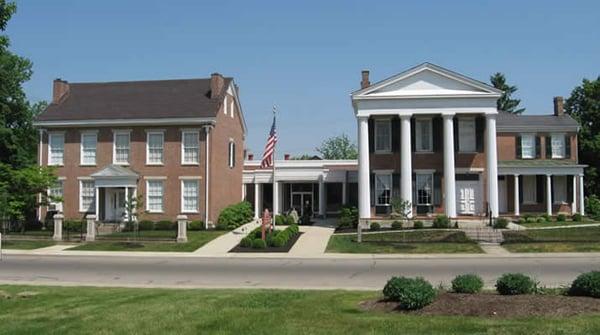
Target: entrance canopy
115	176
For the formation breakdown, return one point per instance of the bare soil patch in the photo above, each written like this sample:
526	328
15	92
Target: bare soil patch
494	305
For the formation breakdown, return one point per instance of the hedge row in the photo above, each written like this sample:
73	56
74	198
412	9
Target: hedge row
276	239
235	215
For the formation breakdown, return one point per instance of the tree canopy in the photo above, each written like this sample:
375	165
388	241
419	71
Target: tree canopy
506	102
338	147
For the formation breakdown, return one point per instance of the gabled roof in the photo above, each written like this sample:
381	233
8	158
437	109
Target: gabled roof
508	122
427	80
114	171
157	99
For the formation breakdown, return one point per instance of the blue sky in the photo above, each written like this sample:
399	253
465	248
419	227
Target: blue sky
306	56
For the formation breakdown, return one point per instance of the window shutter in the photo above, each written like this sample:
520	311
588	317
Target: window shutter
538	147
455	130
438	134
540	185
479	130
548	147
437	189
521	189
518	153
414	189
396	134
395	185
372	188
570	189
371	136
413	136
568	146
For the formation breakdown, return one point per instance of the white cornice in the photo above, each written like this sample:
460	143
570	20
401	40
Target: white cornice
126	122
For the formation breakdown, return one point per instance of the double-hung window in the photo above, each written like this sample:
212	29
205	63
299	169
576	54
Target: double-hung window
466	135
559	189
528	146
424	189
190	147
121	149
154	143
155	193
89	141
383	135
231	154
189	196
56	148
87	196
383	189
424	135
529	190
558	145
55	192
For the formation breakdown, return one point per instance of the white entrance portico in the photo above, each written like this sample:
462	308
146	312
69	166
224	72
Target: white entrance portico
113	185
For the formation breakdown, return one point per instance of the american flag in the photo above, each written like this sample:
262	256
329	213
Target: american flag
268	156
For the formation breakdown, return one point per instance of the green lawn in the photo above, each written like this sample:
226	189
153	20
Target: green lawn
415	242
196	239
77	310
583	239
556	223
26	244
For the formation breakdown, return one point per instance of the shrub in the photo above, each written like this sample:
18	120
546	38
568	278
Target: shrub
547	217
146	225
441	221
561	218
515	283
75	226
246	242
468	283
235	215
418	224
165	225
531	219
500	223
289	220
586	284
196	225
375	226
410	293
396	225
541	220
592	206
522	220
348	217
577	217
258	244
279	241
281	220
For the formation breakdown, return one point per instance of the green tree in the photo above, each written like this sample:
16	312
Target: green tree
584	106
338	147
506	102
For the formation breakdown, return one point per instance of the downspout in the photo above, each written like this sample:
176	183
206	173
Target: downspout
207	175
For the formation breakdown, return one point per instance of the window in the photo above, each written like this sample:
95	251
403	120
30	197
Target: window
56	144
155	142
154	196
424	135
231	107
559	189
529	190
558	146
87	195
231	154
190	147
88	148
424	189
466	135
56	191
383	135
528	146
383	187
189	196
225	105
121	147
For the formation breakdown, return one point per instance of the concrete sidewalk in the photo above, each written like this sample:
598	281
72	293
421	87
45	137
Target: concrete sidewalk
312	242
221	245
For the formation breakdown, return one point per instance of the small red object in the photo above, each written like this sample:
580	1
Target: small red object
266	222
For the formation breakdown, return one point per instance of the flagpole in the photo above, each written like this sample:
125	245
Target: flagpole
275	198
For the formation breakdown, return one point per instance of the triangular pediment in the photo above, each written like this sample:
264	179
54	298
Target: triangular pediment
427	80
114	171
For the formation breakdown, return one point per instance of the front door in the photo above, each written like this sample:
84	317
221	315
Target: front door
302	201
115	204
466	196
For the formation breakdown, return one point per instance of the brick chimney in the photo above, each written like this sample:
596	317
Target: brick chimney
250	157
365	79
216	85
286	157
60	88
558	106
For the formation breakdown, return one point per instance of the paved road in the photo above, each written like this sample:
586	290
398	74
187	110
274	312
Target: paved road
274	273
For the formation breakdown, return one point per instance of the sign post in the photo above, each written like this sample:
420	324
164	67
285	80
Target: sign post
266	223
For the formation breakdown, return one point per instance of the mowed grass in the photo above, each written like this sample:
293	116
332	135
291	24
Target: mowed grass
412	242
580	239
26	244
557	223
196	239
76	310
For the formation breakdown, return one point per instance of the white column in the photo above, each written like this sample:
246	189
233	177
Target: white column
449	175
97	202
574	196
257	199
276	198
322	202
90	234
40	161
364	189
207	175
549	194
581	196
182	228
127	200
516	197
243	191
406	162
492	164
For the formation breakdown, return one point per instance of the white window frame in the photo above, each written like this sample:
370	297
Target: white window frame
115	134
92	207
197	182
463	140
378	189
225	105
183	147
81	149
418	142
60	184
533	148
231	154
431	196
152	180
148	134
52	135
559	195
561	137
232	106
533	189
376	138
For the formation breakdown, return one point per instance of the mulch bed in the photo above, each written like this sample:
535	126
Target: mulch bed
285	248
494	305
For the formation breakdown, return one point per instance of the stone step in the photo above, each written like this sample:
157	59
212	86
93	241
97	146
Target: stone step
484	235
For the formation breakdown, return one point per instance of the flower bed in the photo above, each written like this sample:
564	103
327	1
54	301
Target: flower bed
275	241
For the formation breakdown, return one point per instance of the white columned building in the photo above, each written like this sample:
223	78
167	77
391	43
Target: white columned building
549	194
406	161
449	174
517	201
492	163
364	188
581	196
257	200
